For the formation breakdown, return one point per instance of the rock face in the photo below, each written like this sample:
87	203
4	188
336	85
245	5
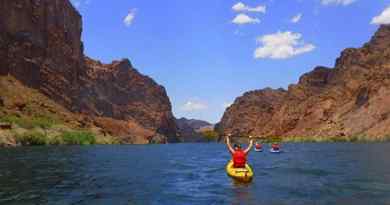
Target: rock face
189	129
252	109
350	99
119	91
40	46
193	123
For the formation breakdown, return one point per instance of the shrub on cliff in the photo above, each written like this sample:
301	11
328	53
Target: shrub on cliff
78	138
31	138
13	119
42	122
29	122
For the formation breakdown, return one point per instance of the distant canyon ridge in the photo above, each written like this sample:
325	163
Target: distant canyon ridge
351	99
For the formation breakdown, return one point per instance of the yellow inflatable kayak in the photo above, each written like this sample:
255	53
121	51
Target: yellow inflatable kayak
239	174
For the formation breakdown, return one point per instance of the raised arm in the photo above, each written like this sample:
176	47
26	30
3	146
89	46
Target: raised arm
231	150
249	148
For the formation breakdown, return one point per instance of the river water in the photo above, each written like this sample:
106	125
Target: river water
194	174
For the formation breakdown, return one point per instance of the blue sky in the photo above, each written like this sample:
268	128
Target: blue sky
208	52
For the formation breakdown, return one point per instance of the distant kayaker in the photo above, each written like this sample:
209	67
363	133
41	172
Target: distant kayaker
258	146
239	155
275	146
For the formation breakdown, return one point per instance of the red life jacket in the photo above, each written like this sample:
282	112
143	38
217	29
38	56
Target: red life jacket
258	146
239	158
275	146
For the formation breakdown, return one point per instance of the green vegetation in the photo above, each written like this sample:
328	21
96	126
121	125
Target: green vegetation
31	138
78	138
210	135
43	122
46	130
36	138
13	119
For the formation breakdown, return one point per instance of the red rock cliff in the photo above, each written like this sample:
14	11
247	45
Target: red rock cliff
40	46
351	99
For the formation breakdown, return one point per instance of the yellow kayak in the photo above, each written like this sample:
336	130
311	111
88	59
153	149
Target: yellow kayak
239	174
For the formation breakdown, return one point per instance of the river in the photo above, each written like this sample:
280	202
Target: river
194	174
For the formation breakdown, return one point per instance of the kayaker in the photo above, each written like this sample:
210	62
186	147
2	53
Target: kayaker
258	146
275	146
239	155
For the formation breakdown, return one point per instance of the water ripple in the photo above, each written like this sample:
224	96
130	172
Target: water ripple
194	174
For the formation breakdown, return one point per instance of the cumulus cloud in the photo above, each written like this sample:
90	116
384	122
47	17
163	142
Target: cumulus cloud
296	18
193	105
241	7
281	45
383	18
241	19
129	19
337	2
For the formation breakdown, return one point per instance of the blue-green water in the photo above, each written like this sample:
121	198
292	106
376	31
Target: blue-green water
194	174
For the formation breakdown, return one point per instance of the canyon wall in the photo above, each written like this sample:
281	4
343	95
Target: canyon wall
351	99
40	45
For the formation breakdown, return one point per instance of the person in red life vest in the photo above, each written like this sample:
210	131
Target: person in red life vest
258	146
239	155
275	146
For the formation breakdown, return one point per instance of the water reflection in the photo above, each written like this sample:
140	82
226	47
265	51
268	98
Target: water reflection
241	193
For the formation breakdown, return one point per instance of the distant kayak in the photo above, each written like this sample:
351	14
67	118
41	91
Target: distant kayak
274	150
258	147
239	174
258	150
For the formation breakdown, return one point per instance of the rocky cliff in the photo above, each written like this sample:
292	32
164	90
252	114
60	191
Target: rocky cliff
40	46
351	99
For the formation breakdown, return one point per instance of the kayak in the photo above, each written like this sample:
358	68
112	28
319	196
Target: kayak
258	150
274	151
239	174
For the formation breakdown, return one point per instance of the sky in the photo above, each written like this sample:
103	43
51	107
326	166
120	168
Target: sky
208	52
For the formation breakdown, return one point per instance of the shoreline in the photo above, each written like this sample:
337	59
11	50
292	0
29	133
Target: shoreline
344	139
287	141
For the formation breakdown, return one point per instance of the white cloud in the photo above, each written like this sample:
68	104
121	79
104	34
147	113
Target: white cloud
194	105
383	18
245	19
337	2
226	104
130	18
296	18
281	45
241	7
